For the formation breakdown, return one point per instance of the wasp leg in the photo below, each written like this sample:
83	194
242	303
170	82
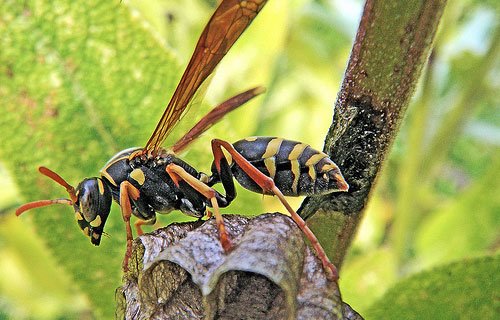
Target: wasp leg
177	174
208	214
139	223
127	192
268	186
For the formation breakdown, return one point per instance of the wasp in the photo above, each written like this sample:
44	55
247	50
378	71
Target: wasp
149	180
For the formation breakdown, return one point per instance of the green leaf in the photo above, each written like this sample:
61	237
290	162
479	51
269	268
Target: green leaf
462	290
78	82
463	227
362	275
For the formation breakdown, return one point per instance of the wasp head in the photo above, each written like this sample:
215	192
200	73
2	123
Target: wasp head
91	201
92	207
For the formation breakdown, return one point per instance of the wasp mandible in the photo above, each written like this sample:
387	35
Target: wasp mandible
149	180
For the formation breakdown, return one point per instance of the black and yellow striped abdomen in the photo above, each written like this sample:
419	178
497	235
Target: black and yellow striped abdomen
296	168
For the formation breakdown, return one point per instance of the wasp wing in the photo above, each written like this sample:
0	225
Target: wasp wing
228	22
214	116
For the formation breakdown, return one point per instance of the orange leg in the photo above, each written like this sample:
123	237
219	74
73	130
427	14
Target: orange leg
127	192
177	174
208	214
268	186
139	223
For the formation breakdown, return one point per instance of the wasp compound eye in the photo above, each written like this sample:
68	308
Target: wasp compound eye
92	208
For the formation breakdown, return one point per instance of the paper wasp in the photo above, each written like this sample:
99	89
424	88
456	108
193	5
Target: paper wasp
150	180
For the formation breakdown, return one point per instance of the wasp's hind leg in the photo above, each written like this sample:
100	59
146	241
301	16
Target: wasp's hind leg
268	186
177	173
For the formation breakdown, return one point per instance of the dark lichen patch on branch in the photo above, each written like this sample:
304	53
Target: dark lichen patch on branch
359	151
270	274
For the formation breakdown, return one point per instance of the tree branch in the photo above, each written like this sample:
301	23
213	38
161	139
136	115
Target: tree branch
391	47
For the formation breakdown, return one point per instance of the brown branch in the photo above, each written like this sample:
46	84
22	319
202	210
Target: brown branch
391	47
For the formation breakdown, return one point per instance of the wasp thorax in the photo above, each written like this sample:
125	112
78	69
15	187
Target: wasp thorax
92	207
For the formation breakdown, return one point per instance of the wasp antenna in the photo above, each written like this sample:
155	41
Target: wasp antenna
41	203
57	178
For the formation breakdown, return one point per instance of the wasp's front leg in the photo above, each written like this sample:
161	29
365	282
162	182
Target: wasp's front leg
127	192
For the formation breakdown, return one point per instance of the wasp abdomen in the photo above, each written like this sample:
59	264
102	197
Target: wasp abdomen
296	168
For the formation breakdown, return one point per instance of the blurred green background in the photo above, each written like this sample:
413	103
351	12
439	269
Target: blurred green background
81	80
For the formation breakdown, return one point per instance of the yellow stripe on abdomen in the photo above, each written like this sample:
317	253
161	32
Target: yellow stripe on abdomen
273	147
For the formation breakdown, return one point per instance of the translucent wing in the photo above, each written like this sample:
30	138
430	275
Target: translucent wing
214	116
228	22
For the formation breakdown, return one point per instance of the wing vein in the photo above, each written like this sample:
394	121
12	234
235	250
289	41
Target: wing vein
225	26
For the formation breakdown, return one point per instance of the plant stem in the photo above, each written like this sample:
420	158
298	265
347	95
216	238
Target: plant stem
391	47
